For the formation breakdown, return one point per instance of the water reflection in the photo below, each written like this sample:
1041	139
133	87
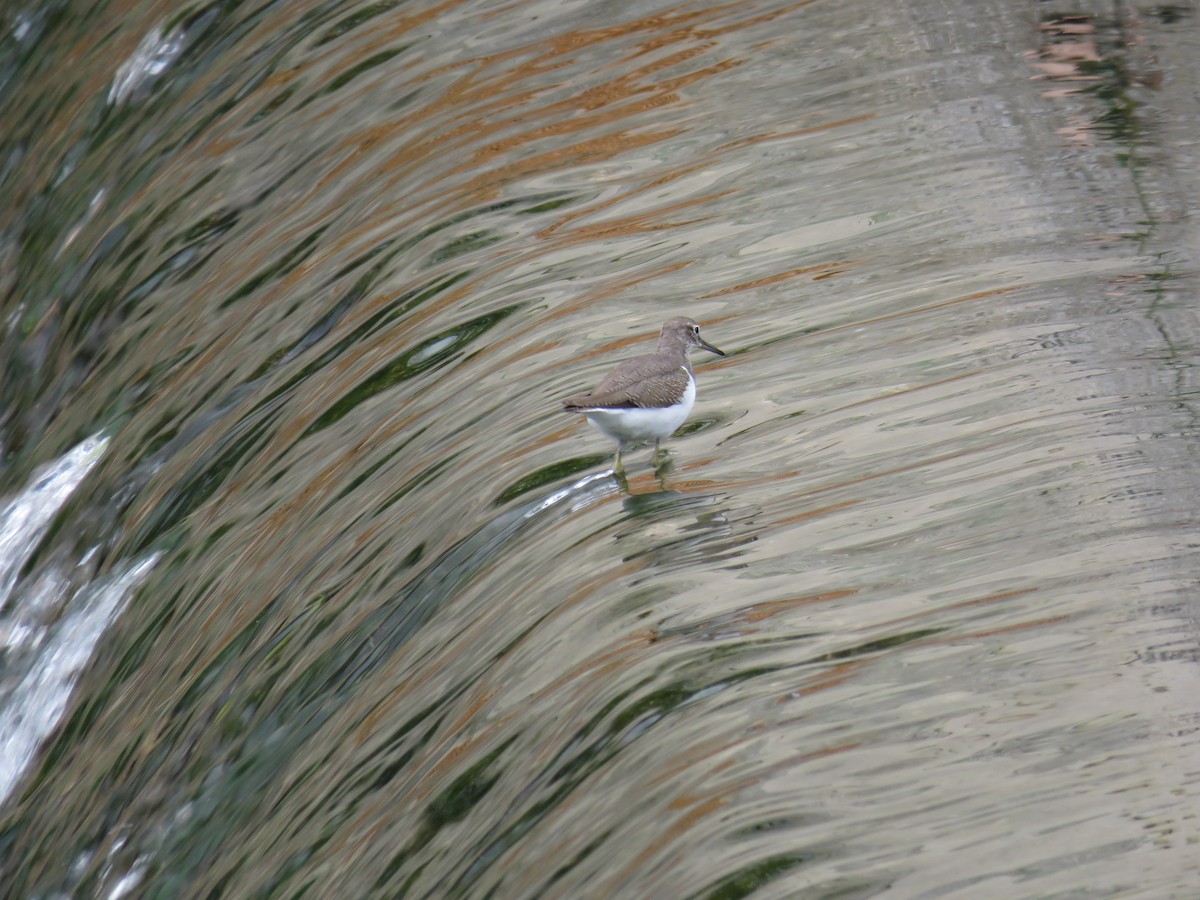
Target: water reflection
676	530
363	623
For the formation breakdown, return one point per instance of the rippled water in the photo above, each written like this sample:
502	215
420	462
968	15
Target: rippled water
310	589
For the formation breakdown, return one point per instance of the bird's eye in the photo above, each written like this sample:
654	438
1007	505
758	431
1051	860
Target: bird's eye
696	330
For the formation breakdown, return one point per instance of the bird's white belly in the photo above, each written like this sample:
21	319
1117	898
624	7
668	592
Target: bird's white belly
638	424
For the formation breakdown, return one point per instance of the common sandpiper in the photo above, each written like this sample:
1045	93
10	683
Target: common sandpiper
646	398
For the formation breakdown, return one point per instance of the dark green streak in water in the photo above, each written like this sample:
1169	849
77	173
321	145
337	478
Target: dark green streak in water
748	880
548	205
412	363
450	806
352	21
203	480
371	62
287	263
272	105
548	475
876	645
476	240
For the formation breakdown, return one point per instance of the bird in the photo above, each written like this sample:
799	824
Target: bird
648	397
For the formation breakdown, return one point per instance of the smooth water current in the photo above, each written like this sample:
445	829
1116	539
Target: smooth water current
308	588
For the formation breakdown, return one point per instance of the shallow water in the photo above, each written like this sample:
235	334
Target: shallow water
322	595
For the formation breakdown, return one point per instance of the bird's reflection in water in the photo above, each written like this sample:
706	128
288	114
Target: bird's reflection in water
671	528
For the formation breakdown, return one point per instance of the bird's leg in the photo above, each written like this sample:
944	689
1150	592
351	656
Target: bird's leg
662	463
617	467
657	450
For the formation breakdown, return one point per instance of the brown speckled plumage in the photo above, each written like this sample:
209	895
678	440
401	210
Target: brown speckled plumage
657	379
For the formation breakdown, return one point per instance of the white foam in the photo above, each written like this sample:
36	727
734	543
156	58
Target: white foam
38	702
47	636
24	519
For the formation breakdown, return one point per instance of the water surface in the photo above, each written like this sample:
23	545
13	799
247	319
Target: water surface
292	293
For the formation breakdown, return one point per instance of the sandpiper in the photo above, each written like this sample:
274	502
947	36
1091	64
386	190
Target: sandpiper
648	397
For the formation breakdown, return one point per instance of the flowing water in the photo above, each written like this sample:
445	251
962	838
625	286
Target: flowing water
307	588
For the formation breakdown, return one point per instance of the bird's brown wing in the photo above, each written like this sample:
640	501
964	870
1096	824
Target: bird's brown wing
657	382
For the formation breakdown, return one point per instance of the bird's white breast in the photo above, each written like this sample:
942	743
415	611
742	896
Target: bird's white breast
641	424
